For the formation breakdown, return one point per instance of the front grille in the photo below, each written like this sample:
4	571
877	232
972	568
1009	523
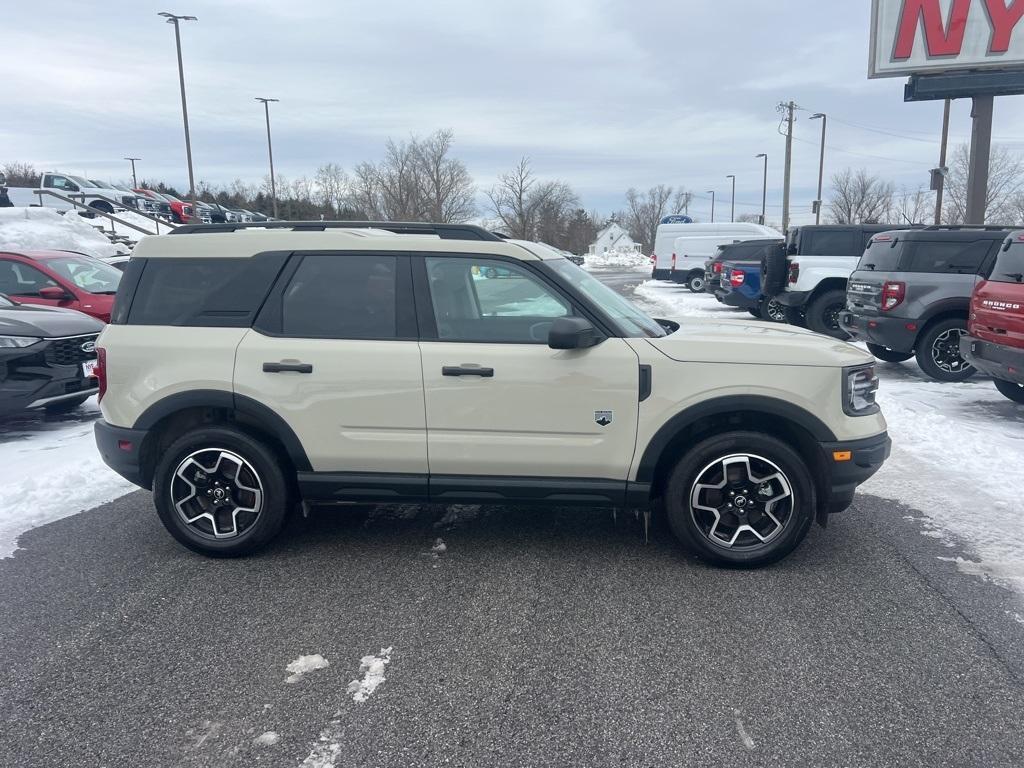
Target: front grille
69	351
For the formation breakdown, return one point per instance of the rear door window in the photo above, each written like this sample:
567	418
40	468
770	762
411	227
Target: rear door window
881	256
956	258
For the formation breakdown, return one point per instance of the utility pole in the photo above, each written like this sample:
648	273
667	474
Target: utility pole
764	192
135	181
788	175
712	193
172	19
821	167
270	150
981	151
732	216
940	178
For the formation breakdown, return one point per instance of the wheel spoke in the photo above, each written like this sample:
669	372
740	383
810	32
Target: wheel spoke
229	486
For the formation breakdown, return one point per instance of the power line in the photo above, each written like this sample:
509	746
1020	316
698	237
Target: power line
862	154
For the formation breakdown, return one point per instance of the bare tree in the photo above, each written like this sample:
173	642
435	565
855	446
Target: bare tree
645	210
21	175
1005	184
913	207
333	187
553	214
446	188
681	201
860	198
513	200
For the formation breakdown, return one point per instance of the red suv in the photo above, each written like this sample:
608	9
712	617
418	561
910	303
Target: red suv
996	328
60	279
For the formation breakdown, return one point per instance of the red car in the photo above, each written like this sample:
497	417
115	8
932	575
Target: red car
60	279
180	210
996	342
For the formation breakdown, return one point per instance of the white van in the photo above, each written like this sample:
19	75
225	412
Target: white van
687	246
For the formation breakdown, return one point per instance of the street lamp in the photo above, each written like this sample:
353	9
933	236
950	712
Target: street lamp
821	168
135	181
173	19
712	193
764	193
270	151
732	216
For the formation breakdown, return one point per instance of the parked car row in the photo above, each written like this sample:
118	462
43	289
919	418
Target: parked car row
951	297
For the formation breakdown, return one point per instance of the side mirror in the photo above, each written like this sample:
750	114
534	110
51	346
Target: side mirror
53	293
572	333
72	187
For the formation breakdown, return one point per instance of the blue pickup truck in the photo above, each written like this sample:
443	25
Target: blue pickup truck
740	281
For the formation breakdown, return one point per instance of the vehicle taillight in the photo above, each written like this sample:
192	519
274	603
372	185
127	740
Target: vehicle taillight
736	278
893	294
718	268
101	371
673	262
794	273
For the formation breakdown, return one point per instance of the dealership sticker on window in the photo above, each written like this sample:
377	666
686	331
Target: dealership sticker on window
604	418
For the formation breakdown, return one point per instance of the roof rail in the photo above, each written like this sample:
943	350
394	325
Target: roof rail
443	231
982	227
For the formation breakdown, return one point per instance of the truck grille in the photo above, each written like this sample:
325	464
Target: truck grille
70	351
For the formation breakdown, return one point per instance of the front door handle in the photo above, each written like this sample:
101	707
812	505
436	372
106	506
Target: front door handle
287	368
468	370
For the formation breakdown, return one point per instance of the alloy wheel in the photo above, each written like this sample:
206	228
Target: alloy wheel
776	312
742	502
946	352
217	493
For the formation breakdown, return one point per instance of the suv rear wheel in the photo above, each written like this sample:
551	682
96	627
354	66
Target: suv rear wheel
695	282
795	316
772	311
741	499
889	355
823	314
1013	391
938	351
220	492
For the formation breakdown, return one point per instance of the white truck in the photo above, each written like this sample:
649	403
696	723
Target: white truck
680	250
92	193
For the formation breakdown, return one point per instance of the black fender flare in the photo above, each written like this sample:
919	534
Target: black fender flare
769	406
957	305
268	419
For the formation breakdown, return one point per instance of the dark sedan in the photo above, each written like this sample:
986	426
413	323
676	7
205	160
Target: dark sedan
47	357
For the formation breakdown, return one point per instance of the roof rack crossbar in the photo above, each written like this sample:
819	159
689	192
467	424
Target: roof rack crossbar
981	227
444	231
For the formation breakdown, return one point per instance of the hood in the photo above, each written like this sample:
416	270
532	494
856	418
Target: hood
46	322
754	343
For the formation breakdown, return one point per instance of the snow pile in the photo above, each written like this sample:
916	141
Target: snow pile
51	470
618	260
268	739
372	669
41	229
663	299
304	665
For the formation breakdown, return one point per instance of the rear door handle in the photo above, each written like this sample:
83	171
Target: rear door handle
287	368
466	370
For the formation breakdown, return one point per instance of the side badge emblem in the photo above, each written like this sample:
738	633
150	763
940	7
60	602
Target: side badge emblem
604	418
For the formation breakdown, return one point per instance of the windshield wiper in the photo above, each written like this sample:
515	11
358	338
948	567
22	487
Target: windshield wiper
1018	276
103	293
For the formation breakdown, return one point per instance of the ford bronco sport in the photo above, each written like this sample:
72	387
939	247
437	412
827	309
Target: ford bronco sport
246	369
996	342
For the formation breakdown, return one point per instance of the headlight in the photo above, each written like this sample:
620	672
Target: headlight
17	342
860	388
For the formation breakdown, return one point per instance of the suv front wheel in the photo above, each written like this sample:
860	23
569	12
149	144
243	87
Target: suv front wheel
741	499
938	351
220	492
1011	390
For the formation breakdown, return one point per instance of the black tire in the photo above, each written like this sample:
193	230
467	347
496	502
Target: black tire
774	271
795	316
889	355
695	282
264	472
67	406
823	314
794	514
102	205
755	312
1013	391
938	351
771	311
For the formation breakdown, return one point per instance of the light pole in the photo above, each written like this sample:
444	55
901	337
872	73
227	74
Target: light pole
821	167
135	181
173	19
732	216
764	193
270	151
712	193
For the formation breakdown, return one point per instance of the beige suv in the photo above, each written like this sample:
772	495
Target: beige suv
250	368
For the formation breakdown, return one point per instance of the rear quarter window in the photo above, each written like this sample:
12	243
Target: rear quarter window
881	256
204	292
825	242
954	258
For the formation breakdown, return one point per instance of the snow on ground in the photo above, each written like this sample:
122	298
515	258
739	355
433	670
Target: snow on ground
303	665
51	469
957	450
618	260
372	669
46	229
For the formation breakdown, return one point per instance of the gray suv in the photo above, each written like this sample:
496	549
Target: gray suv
911	294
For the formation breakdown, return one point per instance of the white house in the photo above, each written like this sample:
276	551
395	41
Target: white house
614	239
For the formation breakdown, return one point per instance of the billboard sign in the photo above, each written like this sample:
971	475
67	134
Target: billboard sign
911	37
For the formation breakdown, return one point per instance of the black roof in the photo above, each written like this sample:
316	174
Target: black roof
444	231
954	233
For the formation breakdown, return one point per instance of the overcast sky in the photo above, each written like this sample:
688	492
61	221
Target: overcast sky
605	95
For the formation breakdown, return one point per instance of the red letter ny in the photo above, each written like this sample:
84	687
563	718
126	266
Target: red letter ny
940	39
1003	21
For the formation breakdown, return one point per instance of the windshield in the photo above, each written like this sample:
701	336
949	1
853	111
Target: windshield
81	182
90	275
881	255
5	302
629	317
